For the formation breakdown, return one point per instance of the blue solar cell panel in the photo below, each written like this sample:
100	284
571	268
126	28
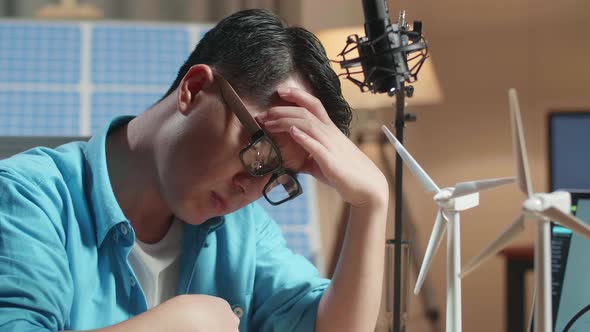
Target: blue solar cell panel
107	105
34	113
138	55
202	33
39	53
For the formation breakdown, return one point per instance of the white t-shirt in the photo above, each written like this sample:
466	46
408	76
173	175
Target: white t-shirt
157	265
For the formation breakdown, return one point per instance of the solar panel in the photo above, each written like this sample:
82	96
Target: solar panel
39	53
107	105
39	113
137	55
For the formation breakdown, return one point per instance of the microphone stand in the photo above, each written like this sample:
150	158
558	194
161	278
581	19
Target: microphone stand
400	123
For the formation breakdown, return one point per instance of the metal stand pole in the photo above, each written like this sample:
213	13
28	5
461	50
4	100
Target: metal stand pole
398	231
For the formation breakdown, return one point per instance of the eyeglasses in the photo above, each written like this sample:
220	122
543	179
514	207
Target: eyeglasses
261	156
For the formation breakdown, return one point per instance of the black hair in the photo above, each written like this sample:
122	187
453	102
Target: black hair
255	50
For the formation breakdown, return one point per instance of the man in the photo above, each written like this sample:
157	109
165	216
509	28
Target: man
150	226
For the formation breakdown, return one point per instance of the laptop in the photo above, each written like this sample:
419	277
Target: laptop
570	264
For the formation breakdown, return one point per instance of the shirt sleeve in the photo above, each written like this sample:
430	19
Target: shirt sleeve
35	283
287	287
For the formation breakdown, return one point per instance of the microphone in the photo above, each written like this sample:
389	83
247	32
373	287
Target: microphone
384	52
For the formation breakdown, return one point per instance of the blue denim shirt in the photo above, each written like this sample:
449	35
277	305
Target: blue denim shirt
64	243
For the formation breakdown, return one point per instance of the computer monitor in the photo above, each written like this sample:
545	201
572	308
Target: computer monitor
569	133
569	161
570	271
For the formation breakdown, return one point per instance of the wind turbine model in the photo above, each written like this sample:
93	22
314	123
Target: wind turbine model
541	207
451	201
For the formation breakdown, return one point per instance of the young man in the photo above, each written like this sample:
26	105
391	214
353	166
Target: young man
150	226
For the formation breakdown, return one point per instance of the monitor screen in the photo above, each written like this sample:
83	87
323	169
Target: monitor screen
569	160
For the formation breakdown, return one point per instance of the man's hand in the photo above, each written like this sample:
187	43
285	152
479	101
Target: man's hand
335	160
202	313
184	313
351	302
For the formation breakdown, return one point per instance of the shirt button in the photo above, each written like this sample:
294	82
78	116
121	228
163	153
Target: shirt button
123	229
239	311
132	281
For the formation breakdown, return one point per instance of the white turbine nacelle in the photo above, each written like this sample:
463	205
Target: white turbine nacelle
444	194
540	202
461	203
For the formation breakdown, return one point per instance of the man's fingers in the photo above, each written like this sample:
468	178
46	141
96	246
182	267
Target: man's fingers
278	112
312	129
305	100
317	151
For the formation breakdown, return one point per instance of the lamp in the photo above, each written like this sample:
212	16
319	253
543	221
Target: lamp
70	9
427	89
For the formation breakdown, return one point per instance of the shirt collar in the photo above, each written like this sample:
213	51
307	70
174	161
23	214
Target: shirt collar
214	223
107	211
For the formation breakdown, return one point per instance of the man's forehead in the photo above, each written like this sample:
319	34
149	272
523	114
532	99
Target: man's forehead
273	99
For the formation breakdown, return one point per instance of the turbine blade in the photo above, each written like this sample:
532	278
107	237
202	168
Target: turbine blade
438	232
493	248
414	167
567	220
518	145
466	188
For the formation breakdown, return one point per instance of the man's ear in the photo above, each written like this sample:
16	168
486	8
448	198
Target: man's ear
197	77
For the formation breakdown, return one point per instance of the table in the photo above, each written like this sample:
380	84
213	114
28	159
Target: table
519	259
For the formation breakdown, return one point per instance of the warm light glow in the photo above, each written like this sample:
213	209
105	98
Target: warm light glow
70	9
426	90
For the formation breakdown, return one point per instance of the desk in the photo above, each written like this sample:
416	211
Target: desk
519	259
